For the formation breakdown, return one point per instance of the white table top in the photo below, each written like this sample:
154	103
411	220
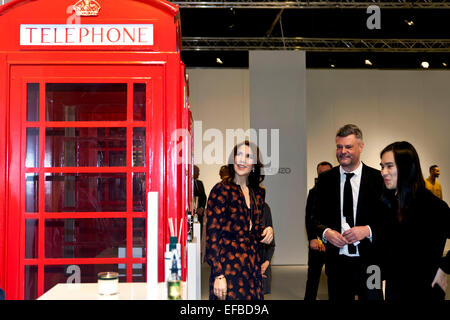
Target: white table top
89	291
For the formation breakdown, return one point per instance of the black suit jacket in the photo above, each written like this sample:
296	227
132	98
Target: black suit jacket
327	212
199	191
413	248
311	231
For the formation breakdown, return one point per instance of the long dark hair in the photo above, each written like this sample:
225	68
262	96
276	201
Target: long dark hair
255	177
409	174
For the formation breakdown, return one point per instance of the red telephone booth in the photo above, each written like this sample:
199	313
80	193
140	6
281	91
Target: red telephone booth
90	94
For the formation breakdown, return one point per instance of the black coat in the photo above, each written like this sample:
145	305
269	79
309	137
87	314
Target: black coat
327	212
199	191
412	249
311	230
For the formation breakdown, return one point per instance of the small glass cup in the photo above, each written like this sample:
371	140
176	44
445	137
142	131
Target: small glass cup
108	283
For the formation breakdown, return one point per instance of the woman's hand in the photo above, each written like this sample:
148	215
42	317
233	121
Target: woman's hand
267	235
440	279
264	267
220	287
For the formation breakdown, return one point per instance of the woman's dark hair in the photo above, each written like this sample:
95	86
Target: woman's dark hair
409	174
255	177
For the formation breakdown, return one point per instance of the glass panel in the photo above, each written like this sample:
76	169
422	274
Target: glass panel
85	238
139	192
31	238
85	147
32	160
138	147
85	192
139	96
86	101
32	101
139	239
31	192
31	283
85	273
139	272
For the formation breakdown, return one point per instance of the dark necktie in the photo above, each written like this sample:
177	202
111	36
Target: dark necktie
348	207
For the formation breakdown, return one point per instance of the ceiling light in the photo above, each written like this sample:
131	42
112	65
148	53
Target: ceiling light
332	65
368	62
444	64
409	22
219	61
425	64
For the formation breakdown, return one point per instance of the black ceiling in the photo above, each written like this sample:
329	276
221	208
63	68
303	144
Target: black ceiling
317	23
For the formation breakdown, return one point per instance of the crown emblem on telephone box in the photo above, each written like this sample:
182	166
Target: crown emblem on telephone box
86	8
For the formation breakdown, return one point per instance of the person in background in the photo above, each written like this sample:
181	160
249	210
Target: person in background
234	229
316	248
415	225
267	251
432	184
345	216
199	192
223	172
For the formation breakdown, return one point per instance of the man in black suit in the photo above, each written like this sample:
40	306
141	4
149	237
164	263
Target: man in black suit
345	215
199	191
316	248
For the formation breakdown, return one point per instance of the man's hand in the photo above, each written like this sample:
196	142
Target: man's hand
355	234
316	244
267	235
335	238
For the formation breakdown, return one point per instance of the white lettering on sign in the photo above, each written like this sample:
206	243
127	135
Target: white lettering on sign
86	35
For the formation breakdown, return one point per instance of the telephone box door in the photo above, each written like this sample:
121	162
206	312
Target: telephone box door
84	149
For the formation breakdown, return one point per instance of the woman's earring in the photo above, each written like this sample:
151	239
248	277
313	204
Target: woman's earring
253	169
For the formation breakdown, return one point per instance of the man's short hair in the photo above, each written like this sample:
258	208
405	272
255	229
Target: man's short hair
433	166
324	163
349	129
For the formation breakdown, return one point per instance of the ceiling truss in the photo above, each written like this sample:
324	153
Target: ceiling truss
305	4
315	44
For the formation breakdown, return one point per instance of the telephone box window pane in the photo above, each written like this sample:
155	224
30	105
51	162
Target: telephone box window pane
31	283
32	101
85	192
139	239
85	147
139	192
139	97
82	273
86	101
138	147
85	238
31	192
31	238
32	159
139	272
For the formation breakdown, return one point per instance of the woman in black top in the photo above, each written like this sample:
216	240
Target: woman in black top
415	225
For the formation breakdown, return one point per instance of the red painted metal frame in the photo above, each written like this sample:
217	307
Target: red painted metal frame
167	113
20	124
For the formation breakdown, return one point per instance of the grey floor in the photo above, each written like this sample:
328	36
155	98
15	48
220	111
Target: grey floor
288	283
